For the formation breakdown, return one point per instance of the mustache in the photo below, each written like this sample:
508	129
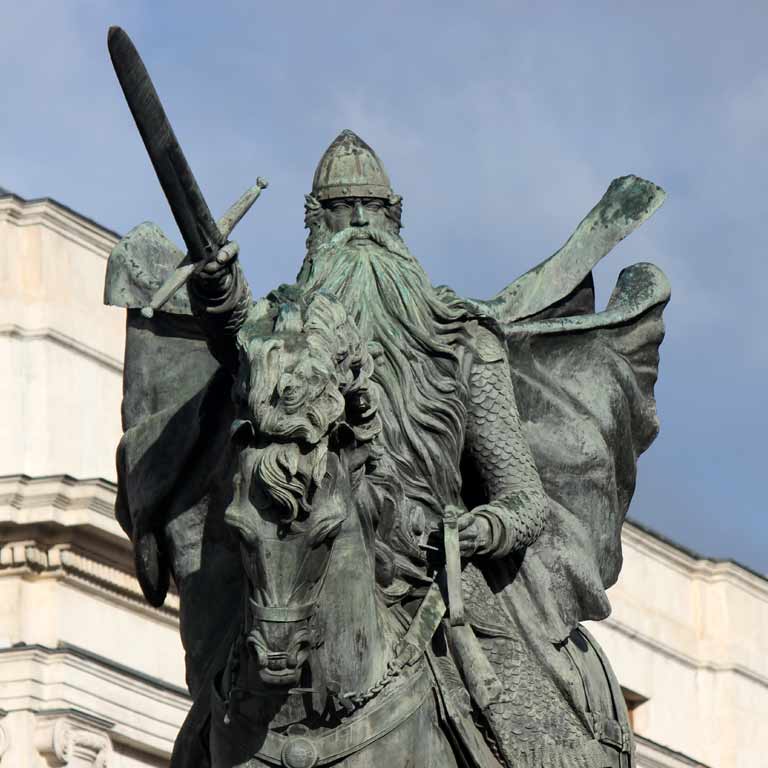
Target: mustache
379	237
339	261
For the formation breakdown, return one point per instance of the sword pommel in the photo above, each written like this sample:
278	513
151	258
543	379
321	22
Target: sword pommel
238	209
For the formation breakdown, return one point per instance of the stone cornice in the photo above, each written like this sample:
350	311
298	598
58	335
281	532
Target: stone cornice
59	500
703	569
698	641
104	668
675	654
96	703
60	527
75	567
59	219
70	343
653	755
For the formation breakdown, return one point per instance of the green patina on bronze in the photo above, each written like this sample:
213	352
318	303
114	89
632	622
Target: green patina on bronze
387	508
350	168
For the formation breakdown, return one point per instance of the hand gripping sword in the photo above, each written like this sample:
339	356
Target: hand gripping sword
204	237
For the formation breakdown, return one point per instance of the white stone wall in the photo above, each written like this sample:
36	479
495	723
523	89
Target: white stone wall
60	349
90	675
81	653
689	635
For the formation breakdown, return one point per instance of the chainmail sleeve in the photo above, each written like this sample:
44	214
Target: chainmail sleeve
221	304
499	451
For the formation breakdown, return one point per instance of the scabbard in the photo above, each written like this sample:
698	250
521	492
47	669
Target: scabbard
483	684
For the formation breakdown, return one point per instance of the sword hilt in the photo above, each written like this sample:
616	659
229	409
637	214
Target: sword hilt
178	278
453	564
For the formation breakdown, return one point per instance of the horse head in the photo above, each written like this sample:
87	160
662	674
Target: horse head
306	415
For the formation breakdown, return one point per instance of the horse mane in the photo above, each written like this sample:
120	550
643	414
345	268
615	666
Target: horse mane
303	373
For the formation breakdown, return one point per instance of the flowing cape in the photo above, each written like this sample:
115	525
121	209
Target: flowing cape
584	387
173	459
584	383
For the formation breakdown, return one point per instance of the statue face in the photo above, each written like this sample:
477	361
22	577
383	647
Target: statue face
342	212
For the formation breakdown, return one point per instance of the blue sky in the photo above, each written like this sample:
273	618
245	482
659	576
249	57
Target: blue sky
501	124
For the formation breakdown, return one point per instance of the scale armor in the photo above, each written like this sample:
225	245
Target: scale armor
531	708
499	449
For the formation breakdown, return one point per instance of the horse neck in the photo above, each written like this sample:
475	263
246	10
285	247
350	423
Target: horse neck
355	646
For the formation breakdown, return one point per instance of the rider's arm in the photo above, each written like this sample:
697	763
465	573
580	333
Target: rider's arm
497	447
221	298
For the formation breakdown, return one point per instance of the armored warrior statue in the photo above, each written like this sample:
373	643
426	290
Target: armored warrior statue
495	481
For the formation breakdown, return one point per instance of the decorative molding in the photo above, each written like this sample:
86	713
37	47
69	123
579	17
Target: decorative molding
72	740
25	494
63	340
63	560
649	754
37	678
59	219
136	709
32	510
684	658
713	584
111	671
708	570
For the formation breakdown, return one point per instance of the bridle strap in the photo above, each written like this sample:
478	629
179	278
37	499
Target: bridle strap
281	614
349	737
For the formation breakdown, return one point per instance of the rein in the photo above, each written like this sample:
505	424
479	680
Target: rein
282	614
301	748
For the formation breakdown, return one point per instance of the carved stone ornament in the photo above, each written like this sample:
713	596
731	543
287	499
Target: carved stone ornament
71	741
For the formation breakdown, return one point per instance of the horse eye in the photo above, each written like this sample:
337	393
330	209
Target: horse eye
242	432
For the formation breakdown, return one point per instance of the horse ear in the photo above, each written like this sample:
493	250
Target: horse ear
242	432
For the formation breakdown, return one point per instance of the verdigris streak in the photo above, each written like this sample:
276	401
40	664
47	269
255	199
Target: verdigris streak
386	508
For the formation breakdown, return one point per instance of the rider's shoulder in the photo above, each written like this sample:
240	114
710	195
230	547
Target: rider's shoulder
486	345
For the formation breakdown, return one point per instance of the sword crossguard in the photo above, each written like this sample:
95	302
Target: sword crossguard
203	236
225	255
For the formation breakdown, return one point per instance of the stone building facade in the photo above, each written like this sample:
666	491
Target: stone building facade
92	677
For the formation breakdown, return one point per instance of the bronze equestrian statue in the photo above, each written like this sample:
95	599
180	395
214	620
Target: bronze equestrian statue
386	508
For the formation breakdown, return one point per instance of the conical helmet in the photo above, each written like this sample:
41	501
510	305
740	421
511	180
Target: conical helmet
350	168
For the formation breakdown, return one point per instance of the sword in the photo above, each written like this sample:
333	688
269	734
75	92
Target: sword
203	236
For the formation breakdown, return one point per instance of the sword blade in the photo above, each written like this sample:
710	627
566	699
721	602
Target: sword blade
193	217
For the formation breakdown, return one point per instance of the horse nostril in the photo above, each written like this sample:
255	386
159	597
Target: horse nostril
256	649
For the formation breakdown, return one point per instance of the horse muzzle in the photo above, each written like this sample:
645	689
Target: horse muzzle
280	644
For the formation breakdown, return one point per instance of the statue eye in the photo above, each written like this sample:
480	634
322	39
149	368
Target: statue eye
340	207
373	206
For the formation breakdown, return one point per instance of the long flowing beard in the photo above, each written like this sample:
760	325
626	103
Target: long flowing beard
389	296
355	265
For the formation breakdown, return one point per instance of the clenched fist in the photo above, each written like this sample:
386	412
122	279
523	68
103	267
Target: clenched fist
474	534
